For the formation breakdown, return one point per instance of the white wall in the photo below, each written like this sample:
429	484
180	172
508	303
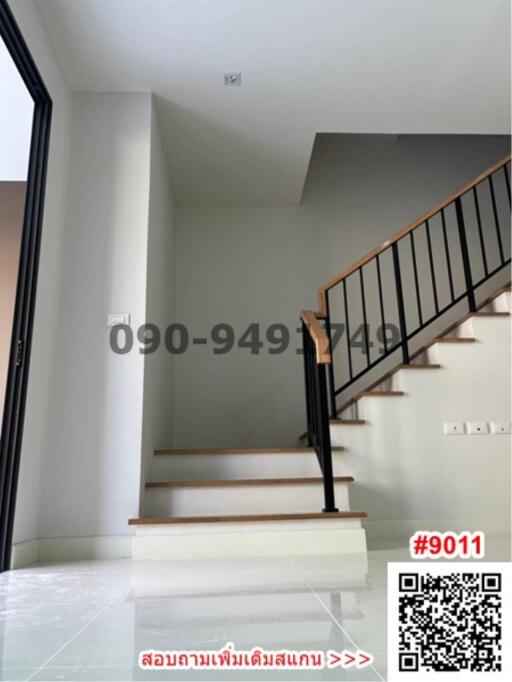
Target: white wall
117	256
16	109
92	462
264	264
408	474
160	305
40	384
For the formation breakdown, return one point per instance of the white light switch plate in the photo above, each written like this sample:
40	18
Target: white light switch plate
477	428
113	319
500	427
454	428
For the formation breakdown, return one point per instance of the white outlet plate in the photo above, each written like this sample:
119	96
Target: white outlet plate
454	428
113	319
500	427
478	428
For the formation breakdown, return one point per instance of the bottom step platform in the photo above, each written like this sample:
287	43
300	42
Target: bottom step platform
338	533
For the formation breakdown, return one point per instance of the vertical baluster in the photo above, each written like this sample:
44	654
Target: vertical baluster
307	379
480	231
314	384
496	219
325	440
432	270
447	254
332	389
507	181
347	329
381	303
400	304
363	299
416	282
465	255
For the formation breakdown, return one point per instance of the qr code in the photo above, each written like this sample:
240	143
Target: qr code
449	623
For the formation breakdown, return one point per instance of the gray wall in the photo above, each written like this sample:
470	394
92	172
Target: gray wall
241	265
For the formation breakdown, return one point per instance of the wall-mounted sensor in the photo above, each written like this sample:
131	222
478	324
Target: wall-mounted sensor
232	79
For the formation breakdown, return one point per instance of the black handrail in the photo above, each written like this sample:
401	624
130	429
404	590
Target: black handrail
475	209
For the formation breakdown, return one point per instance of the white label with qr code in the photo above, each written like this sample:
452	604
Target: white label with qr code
449	618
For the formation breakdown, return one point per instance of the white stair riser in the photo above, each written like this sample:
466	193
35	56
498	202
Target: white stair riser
248	499
501	304
227	540
239	466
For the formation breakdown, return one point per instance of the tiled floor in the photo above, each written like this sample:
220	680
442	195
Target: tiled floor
89	620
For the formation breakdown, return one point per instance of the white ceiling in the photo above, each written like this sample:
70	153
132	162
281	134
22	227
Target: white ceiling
308	66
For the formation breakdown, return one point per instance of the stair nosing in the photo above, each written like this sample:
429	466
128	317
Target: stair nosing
492	313
456	339
382	394
301	516
233	482
238	451
423	365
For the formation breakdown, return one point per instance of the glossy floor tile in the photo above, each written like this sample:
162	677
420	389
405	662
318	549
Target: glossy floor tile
89	620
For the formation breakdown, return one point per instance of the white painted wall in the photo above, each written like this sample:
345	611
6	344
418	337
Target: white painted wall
408	474
37	426
264	264
160	304
92	463
16	109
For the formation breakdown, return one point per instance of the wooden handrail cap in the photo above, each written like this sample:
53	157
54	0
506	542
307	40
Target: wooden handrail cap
320	338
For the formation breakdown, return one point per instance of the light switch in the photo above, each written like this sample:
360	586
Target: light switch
113	319
500	427
454	428
477	428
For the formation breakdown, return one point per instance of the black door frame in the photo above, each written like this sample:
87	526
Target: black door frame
21	340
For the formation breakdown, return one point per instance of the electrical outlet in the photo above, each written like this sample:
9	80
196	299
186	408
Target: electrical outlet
454	428
477	428
500	427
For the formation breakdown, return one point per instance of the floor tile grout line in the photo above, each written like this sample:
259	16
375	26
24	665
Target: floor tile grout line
71	639
344	631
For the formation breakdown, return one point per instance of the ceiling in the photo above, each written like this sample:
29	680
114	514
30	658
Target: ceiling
308	66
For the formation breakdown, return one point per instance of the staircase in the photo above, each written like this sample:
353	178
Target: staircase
212	504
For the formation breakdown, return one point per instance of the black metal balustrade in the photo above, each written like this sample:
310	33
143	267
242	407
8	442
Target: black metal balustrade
316	358
401	288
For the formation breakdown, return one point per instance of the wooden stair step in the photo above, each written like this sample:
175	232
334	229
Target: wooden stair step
238	451
247	518
346	422
420	366
232	482
491	314
382	394
456	339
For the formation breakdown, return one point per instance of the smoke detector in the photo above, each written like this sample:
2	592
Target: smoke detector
232	79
